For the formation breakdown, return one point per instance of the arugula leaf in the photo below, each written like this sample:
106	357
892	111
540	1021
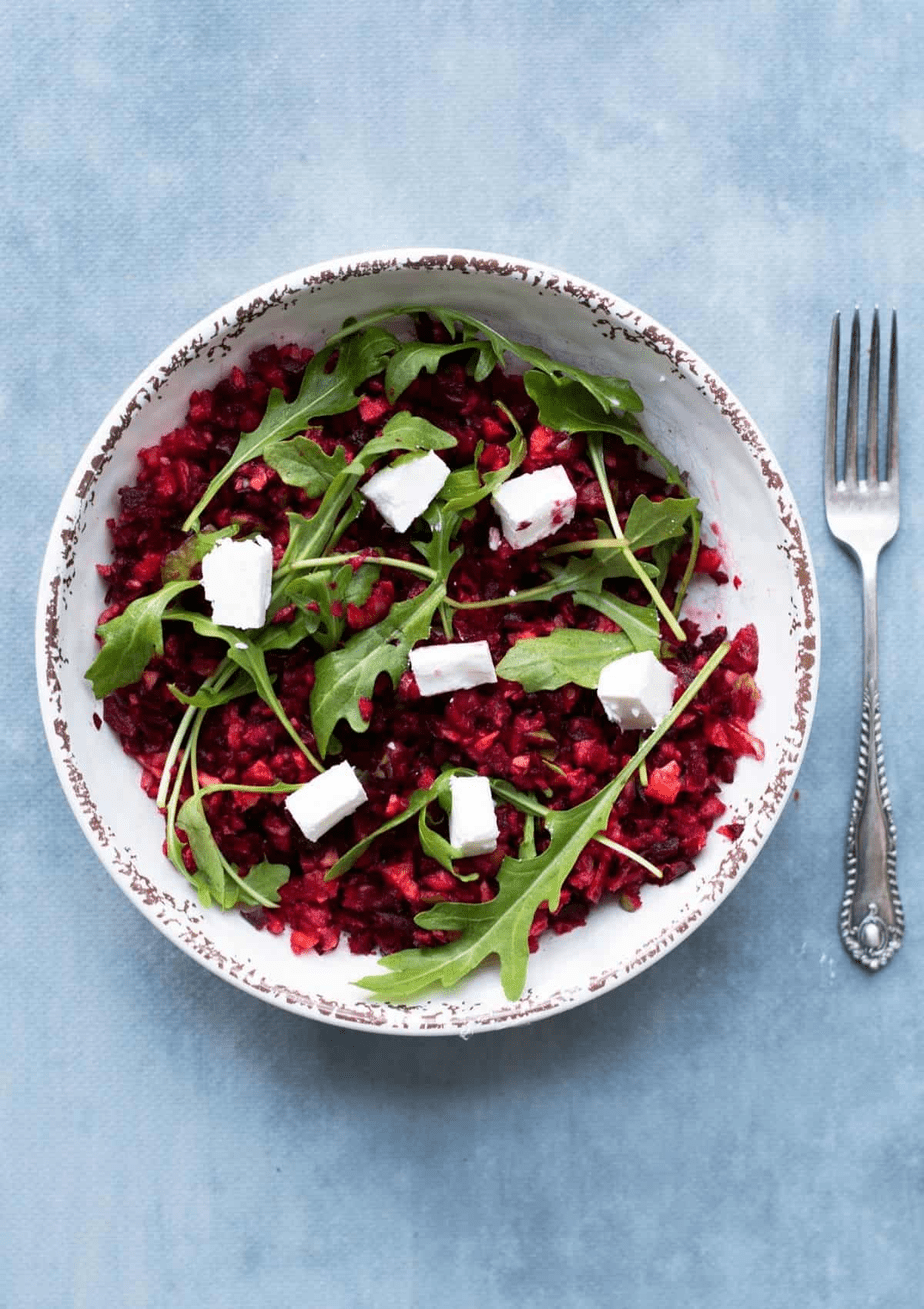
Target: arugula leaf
417	804
411	359
265	879
405	431
301	462
131	639
435	845
179	563
597	459
466	487
326	589
501	926
437	550
215	878
210	862
652	522
566	405
607	390
591	573
431	842
638	622
544	663
417	801
283	636
310	537
462	488
583	578
322	393
248	655
345	676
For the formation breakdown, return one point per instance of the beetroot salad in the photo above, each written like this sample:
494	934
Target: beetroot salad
396	635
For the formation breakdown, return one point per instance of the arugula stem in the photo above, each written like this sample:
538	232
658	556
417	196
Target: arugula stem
214	682
666	723
174	849
517	429
175	746
272	700
350	514
194	750
691	564
446	619
594	543
602	839
526	804
519	597
242	883
323	561
595	450
276	788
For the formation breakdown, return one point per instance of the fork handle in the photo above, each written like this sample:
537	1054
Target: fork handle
872	922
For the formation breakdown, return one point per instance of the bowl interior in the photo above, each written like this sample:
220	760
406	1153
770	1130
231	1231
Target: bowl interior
688	413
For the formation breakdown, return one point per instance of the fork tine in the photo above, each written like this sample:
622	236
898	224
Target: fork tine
853	396
892	442
872	405
831	411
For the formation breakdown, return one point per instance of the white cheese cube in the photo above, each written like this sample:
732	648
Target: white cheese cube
321	803
403	491
472	822
452	667
237	577
636	691
535	505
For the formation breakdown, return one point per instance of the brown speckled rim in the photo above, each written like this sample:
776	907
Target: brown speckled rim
180	918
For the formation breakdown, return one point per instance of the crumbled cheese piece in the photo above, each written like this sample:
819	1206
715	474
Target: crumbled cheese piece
472	821
321	803
535	505
636	691
452	667
403	491
237	577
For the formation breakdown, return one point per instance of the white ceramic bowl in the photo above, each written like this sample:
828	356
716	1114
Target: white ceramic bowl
688	413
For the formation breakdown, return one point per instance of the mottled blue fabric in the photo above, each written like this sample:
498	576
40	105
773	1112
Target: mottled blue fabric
741	1125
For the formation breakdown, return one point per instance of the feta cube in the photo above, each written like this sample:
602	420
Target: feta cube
636	691
403	491
472	822
535	505
321	803
452	667
237	577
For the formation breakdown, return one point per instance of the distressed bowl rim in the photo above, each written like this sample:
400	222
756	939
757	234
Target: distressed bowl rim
440	1016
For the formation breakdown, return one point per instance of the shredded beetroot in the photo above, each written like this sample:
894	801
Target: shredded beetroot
558	744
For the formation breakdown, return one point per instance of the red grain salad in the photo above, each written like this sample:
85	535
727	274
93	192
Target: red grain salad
555	745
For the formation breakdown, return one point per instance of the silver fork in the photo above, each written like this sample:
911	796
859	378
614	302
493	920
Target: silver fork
863	513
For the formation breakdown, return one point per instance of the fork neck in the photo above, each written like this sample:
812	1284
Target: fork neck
870	620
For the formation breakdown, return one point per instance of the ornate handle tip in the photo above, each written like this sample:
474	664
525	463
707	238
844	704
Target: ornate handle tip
872	942
872	922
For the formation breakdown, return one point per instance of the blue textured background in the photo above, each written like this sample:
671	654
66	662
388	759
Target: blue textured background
741	1125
